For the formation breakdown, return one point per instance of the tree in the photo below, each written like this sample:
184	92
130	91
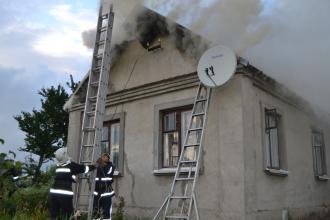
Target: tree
45	129
2	141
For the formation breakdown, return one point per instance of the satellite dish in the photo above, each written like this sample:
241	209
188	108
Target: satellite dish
216	66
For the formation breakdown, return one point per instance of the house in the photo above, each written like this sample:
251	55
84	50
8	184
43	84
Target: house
265	152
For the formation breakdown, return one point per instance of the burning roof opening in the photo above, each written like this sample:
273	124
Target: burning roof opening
149	26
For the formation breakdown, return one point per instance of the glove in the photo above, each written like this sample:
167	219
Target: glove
91	167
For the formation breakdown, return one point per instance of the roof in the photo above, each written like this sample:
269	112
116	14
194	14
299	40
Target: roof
146	26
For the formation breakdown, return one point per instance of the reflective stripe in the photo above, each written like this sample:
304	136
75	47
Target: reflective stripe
95	193
110	211
15	177
61	191
110	170
74	177
97	179
106	179
108	194
63	170
86	169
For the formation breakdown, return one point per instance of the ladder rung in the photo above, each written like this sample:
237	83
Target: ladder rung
87	162
101	42
176	217
191	145
102	29
195	129
83	177
180	197
98	56
97	69
201	100
188	161
184	179
90	114
94	84
84	195
198	114
93	98
88	145
89	129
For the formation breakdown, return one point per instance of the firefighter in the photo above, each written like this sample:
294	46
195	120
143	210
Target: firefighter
103	190
15	179
61	194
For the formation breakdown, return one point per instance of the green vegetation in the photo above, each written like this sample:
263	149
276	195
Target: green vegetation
45	129
24	200
119	214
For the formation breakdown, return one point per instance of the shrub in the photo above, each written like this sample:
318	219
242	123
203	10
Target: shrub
28	202
119	214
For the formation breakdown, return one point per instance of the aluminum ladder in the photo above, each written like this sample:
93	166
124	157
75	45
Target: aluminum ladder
92	123
182	198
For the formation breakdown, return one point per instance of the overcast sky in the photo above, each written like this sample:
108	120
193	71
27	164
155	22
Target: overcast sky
41	44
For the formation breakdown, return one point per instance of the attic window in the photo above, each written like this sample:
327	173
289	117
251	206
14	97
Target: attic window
156	46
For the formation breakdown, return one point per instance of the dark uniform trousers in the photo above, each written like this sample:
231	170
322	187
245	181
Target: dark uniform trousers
103	191
61	206
61	194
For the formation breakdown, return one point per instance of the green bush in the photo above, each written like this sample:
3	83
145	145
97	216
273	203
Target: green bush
119	214
40	215
32	201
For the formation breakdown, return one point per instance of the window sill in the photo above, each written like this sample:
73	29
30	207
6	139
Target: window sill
279	172
169	171
323	178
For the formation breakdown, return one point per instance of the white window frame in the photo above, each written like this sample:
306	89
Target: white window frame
319	174
158	169
121	118
281	168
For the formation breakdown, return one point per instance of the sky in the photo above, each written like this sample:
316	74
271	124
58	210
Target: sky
41	44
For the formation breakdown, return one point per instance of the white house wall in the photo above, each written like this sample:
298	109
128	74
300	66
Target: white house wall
299	193
146	67
220	190
233	184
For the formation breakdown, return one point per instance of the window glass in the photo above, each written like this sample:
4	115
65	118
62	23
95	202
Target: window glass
175	123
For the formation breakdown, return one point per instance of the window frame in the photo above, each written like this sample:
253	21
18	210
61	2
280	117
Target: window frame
157	150
177	128
111	119
282	169
324	172
272	130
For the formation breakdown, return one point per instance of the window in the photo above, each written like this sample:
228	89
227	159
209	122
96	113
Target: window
112	139
174	125
274	143
318	154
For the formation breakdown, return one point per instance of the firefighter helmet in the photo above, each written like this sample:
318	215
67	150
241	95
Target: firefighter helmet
62	155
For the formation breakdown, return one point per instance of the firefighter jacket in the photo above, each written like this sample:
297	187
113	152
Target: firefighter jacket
103	180
66	175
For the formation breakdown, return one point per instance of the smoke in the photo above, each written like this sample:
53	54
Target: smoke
122	9
288	40
296	52
235	23
89	38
